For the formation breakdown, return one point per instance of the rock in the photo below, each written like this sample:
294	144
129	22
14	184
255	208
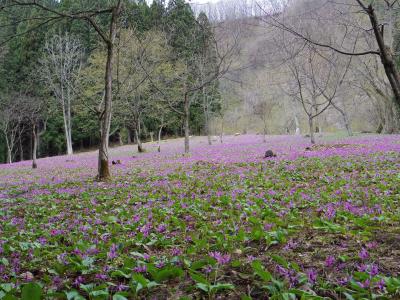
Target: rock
269	153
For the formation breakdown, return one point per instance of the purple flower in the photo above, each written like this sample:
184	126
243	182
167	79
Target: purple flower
62	258
161	228
344	281
121	287
78	281
208	269
113	252
42	240
290	245
374	270
222	259
363	254
176	252
54	232
330	261
330	212
27	276
362	268
364	284
101	276
381	284
268	226
250	258
140	269
312	275
57	281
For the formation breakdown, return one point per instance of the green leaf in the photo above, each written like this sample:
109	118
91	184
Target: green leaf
4	261
119	297
99	293
259	270
31	291
73	295
203	287
221	286
168	273
280	260
199	278
119	273
199	264
9	297
139	278
7	287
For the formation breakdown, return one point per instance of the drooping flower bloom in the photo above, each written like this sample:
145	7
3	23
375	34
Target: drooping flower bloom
222	259
312	275
176	252
113	252
330	261
363	254
374	270
140	269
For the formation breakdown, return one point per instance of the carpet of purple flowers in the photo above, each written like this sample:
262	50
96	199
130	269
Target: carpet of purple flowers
219	223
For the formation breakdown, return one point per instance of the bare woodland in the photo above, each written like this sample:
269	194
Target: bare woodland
301	67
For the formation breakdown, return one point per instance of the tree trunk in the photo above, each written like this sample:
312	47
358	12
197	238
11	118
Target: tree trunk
21	150
30	147
67	128
386	55
105	119
186	121
296	121
34	152
221	134
311	125
206	117
159	138
9	155
265	131
120	141
208	133
9	150
345	119
139	143
129	136
317	127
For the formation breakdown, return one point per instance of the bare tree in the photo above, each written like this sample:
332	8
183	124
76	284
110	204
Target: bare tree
225	50
315	84
54	14
11	124
35	112
60	67
347	28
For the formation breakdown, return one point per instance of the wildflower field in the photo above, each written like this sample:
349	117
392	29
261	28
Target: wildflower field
219	223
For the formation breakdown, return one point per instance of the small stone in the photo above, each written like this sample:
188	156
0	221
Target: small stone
269	153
